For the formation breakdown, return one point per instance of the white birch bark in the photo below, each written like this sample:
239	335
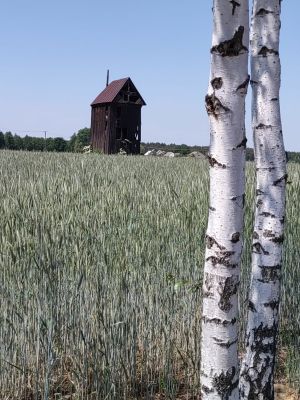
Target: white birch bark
270	159
225	103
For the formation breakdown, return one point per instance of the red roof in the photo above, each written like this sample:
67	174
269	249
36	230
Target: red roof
111	91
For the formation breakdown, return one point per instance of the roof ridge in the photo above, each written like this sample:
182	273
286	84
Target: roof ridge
111	91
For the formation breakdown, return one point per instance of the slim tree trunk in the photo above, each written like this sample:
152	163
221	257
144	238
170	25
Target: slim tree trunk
225	104
257	379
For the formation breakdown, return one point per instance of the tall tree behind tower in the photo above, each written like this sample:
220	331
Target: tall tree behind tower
225	104
257	374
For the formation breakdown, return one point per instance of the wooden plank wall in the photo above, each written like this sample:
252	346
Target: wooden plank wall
104	124
99	130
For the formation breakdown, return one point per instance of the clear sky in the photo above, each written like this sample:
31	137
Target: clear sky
54	55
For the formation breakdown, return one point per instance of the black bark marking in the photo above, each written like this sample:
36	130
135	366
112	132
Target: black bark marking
252	83
264	51
282	179
244	86
258	384
207	295
251	306
212	208
202	373
268	389
259	203
214	106
268	233
235	4
227	289
267	214
206	389
262	12
278	240
242	144
269	273
214	163
209	285
232	47
274	99
221	343
282	220
255	386
223	259
243	196
265	169
273	304
210	241
247	339
255	235
259	192
224	383
218	321
263	126
258	248
235	237
263	332
217	83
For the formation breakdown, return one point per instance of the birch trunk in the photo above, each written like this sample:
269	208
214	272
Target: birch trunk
258	364
225	104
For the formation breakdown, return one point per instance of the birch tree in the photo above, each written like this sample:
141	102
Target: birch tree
225	104
258	364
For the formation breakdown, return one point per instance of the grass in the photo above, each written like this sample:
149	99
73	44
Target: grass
100	276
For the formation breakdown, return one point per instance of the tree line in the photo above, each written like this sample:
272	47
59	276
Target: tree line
82	138
76	143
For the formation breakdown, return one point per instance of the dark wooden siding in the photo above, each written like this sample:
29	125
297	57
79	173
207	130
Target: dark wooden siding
100	128
113	123
126	124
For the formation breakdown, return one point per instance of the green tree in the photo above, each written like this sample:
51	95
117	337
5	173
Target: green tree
2	141
71	143
50	145
60	144
38	144
83	139
27	143
18	142
9	141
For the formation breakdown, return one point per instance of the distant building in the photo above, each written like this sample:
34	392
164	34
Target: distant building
116	118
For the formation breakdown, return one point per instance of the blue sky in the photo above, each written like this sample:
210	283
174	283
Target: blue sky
54	56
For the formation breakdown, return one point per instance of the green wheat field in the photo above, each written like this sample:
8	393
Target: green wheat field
101	261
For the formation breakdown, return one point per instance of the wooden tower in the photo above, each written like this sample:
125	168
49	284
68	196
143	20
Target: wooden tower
116	118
